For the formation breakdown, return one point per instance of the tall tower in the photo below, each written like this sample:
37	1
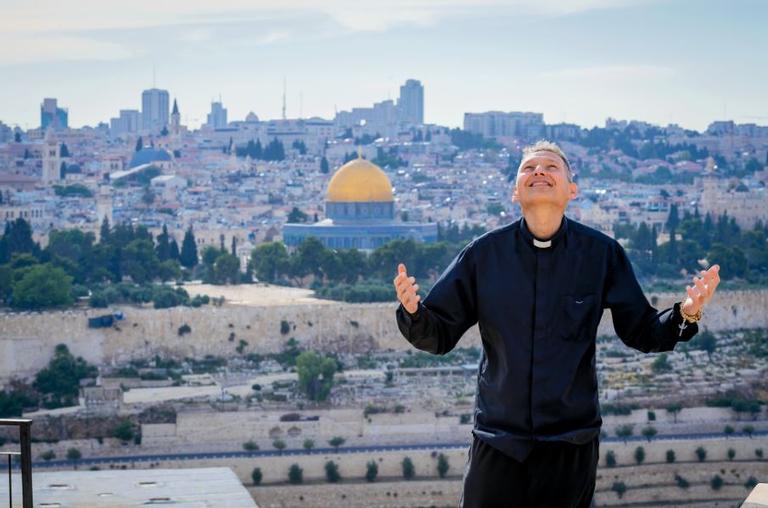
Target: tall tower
154	110
410	104
51	158
51	115
104	205
217	118
175	120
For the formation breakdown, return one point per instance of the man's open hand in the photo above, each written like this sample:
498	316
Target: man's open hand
406	288
702	290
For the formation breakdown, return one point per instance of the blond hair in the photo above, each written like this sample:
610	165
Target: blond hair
548	146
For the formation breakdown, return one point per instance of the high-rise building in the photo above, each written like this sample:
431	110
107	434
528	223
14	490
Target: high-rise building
493	124
154	109
217	118
126	123
53	116
410	105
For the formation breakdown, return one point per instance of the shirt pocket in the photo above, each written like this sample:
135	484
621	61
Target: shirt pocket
576	311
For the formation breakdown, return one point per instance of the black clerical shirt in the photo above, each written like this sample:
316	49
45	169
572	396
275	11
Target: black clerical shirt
538	305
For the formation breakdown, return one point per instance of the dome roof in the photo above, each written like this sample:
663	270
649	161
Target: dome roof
359	181
148	155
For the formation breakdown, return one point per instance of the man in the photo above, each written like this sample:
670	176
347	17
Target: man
538	287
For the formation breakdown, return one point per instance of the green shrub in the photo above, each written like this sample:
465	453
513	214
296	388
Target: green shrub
295	474
409	471
371	470
256	476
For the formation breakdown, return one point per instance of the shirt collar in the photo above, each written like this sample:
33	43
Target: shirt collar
550	243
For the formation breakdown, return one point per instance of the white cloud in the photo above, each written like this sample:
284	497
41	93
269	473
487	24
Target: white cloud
88	15
49	48
609	73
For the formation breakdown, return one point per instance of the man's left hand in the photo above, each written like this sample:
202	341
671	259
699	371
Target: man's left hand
702	290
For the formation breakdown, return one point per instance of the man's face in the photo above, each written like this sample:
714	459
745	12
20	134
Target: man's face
542	178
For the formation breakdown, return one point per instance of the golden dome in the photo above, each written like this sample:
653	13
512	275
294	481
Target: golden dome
359	181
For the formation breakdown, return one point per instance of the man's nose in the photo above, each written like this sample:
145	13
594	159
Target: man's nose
539	170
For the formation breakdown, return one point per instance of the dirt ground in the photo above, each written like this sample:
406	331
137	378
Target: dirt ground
257	294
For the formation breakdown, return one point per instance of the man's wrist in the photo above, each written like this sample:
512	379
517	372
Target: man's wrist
413	315
689	318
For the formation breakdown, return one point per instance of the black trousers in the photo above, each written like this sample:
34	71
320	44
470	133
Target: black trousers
555	474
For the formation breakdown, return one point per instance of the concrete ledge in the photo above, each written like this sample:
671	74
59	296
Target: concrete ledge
758	498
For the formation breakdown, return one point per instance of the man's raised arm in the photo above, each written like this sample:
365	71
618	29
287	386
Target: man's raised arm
638	324
450	309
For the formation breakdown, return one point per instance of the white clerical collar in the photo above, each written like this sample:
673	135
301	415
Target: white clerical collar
542	245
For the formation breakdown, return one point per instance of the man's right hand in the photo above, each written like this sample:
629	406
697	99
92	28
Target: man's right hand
406	288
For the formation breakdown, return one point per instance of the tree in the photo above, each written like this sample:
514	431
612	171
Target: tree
409	471
18	239
269	261
332	472
226	269
649	432
624	431
169	270
256	476
250	446
670	456
706	341
309	444
748	430
139	144
123	431
442	465
324	167
336	441
189	250
682	482
731	453
163	245
701	454
74	454
41	286
315	375
728	431
48	455
140	261
59	382
639	455
295	474
610	459
297	216
661	364
279	445
716	482
174	250
674	409
371	470
619	488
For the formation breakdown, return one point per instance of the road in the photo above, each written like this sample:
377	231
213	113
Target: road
132	459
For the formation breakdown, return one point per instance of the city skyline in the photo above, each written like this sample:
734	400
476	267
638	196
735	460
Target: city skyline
662	62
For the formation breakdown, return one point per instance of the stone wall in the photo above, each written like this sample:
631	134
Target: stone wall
27	339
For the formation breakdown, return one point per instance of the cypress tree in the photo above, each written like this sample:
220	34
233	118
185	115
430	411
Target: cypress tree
188	257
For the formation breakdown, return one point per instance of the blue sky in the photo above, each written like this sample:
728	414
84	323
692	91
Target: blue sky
579	61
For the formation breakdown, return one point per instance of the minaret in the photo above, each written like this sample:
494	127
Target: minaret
51	158
104	205
175	120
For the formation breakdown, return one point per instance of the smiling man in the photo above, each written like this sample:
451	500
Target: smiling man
538	287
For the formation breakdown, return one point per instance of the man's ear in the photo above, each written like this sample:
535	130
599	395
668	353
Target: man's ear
574	190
